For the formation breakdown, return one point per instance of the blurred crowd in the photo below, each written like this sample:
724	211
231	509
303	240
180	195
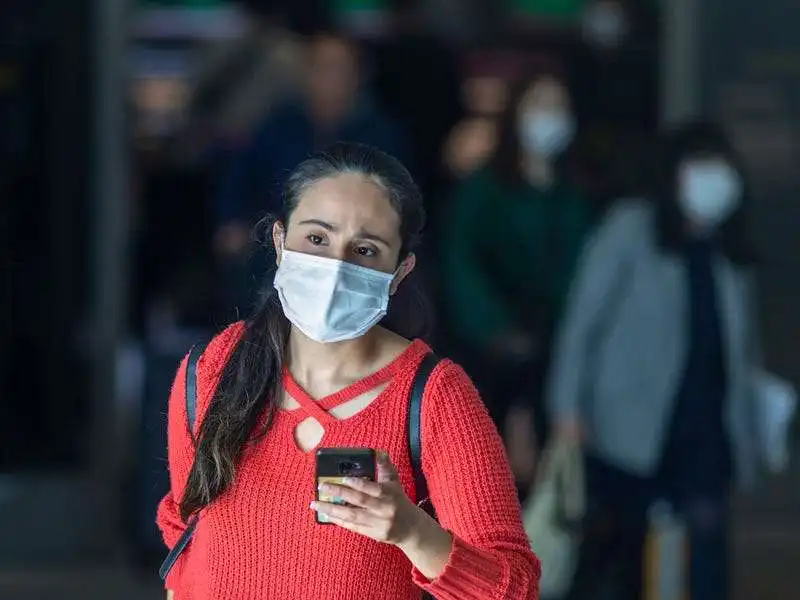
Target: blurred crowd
211	154
557	255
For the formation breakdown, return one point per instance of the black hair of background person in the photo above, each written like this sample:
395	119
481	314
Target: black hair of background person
621	85
507	161
252	371
700	138
618	106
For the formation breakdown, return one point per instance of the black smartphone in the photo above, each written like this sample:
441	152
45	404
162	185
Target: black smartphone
334	464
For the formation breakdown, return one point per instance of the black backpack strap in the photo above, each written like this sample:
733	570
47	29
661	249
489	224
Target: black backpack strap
179	547
424	371
191	416
191	385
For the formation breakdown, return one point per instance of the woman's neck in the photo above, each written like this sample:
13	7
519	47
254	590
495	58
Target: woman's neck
538	170
311	361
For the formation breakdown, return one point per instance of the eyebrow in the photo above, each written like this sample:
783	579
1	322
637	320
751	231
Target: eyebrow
319	223
363	233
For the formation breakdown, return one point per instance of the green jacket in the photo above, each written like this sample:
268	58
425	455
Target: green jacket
509	253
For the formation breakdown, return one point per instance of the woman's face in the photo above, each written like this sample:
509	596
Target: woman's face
709	189
485	95
544	119
348	218
548	95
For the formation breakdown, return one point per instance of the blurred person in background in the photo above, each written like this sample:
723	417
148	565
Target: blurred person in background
484	94
652	364
332	107
618	64
615	68
509	246
471	143
241	80
314	366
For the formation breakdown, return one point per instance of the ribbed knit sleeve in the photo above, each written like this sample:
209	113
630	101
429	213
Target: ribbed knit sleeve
472	488
180	450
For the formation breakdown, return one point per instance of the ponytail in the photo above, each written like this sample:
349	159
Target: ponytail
242	408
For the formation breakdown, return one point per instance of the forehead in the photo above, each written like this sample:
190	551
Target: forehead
329	49
547	90
350	201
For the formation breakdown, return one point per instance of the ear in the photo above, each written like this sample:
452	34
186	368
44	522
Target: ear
277	240
403	271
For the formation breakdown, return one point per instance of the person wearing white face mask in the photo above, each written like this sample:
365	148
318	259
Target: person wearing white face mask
513	234
545	132
317	367
710	190
652	362
616	69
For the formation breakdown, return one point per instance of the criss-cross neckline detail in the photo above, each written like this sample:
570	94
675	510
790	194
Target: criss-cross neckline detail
320	408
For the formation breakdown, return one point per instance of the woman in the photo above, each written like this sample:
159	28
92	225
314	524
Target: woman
314	368
513	235
653	361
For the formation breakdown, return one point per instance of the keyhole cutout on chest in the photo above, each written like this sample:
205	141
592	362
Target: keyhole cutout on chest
309	433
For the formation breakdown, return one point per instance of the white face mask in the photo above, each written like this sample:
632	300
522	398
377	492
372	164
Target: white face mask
709	193
331	300
546	132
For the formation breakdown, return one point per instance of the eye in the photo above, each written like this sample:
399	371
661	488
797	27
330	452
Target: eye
365	251
315	239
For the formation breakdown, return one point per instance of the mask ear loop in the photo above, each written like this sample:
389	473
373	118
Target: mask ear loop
397	272
399	268
280	249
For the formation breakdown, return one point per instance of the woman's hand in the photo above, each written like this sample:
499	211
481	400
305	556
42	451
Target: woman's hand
377	509
381	511
570	429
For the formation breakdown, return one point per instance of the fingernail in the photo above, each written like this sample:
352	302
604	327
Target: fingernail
349	481
313	506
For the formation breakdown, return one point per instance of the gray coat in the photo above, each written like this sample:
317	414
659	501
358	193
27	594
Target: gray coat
622	345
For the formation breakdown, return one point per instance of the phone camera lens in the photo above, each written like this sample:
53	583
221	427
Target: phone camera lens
349	468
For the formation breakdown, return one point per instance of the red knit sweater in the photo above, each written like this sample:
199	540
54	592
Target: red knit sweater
260	541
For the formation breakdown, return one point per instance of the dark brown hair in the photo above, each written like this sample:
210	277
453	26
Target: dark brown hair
699	139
